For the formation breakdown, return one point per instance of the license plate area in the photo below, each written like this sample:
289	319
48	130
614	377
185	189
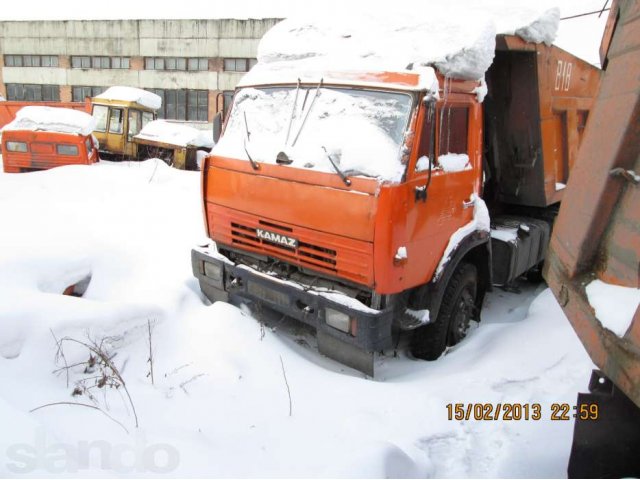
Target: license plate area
265	293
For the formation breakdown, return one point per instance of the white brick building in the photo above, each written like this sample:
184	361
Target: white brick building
192	64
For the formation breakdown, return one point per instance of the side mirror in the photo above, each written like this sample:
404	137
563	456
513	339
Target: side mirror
430	99
217	127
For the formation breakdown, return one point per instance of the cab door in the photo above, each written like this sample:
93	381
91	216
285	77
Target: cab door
444	173
110	128
134	125
115	141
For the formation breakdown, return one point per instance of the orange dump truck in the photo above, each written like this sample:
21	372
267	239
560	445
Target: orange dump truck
40	138
594	258
434	197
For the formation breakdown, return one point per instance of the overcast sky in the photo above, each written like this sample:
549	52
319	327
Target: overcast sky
580	36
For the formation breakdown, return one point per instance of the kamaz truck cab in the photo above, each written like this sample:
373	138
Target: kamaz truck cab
353	201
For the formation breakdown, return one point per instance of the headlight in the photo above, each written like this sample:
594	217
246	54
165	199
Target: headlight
338	320
213	270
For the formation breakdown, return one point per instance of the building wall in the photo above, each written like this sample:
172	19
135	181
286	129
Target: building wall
3	90
136	39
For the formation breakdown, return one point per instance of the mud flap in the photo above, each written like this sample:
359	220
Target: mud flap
345	353
609	446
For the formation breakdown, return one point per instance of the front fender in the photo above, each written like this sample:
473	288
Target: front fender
474	248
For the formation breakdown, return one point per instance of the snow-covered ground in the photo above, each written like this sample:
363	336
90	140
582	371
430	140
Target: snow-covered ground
219	405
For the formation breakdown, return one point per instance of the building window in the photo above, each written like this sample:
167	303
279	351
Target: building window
49	60
30	60
37	93
79	93
183	104
120	62
176	63
80	62
239	64
99	62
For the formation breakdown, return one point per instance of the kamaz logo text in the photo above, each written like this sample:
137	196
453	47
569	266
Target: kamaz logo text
277	238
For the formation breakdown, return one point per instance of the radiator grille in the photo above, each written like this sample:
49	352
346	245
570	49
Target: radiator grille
306	253
324	252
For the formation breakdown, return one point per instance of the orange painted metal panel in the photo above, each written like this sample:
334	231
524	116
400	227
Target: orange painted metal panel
321	202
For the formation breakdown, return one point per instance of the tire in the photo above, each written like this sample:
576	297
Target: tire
454	317
534	275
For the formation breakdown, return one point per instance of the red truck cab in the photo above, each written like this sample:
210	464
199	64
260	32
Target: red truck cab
45	137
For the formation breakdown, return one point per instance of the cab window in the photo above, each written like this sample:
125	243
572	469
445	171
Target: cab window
454	129
134	123
63	149
116	121
100	113
425	149
146	118
16	146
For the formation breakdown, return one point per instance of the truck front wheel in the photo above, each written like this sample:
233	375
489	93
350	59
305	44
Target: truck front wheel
454	317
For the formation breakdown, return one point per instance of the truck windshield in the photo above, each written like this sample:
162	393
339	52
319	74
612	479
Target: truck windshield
363	130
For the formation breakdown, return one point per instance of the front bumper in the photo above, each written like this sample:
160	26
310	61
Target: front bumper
222	280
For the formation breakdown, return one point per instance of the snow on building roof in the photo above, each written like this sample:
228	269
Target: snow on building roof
175	134
458	39
132	94
52	119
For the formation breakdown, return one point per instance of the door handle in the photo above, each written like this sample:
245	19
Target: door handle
421	193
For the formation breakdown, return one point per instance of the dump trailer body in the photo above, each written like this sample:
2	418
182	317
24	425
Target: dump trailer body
535	113
538	103
597	236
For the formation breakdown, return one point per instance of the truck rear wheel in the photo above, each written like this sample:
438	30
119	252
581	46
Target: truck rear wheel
454	317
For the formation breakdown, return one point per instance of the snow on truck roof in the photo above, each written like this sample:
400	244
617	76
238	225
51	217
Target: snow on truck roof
362	132
52	119
132	94
459	40
175	134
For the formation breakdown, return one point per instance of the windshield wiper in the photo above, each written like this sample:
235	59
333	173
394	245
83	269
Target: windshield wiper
293	113
344	178
304	120
253	163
